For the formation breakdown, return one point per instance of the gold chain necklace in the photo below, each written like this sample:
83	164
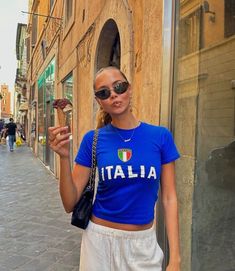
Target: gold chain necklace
127	139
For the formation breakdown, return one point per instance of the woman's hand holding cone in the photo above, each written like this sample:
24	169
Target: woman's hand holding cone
59	138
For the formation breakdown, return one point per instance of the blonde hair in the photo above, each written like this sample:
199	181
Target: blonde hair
103	118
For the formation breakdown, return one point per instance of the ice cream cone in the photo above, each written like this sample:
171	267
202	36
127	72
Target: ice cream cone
68	108
61	117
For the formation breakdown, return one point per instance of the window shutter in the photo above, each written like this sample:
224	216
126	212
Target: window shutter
34	30
229	18
27	44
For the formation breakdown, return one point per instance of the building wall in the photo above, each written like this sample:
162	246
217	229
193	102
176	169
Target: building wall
204	132
40	55
20	88
75	48
214	29
5	102
214	190
139	61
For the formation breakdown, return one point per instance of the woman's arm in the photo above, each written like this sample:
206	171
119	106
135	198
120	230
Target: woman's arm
169	200
71	183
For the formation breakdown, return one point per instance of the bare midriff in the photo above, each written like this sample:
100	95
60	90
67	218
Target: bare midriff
120	226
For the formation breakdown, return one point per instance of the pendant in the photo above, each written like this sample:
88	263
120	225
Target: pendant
127	140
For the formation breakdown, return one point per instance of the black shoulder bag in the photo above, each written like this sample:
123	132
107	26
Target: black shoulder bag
83	208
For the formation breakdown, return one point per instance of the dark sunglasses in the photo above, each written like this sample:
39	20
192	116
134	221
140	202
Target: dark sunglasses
105	93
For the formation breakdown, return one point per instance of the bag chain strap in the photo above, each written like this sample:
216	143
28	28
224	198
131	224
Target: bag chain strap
93	168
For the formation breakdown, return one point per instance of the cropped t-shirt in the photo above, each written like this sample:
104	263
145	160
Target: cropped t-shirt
129	172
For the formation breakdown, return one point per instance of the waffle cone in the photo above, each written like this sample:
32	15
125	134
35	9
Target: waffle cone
61	117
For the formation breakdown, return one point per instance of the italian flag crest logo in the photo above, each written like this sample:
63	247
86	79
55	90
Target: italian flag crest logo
124	154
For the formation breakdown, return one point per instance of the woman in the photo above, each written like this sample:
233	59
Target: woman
131	158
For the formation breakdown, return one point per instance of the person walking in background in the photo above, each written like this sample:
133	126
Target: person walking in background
1	128
11	132
1	125
134	158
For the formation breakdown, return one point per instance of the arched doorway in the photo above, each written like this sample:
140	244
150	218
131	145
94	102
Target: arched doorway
108	48
108	51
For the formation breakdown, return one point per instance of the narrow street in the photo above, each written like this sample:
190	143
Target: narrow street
35	231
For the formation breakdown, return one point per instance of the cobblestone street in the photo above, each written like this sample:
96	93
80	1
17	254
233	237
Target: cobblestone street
35	231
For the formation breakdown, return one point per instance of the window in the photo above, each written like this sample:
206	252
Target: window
46	113
203	120
34	30
190	36
229	18
51	4
68	10
32	92
43	49
67	85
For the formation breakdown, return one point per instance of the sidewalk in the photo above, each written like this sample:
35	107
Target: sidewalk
35	231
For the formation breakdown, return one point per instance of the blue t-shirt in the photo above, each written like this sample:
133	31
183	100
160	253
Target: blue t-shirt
129	172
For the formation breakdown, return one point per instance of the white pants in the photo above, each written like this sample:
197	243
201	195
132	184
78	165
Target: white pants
108	249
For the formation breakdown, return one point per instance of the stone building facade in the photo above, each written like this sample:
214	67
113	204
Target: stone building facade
5	102
179	58
20	95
